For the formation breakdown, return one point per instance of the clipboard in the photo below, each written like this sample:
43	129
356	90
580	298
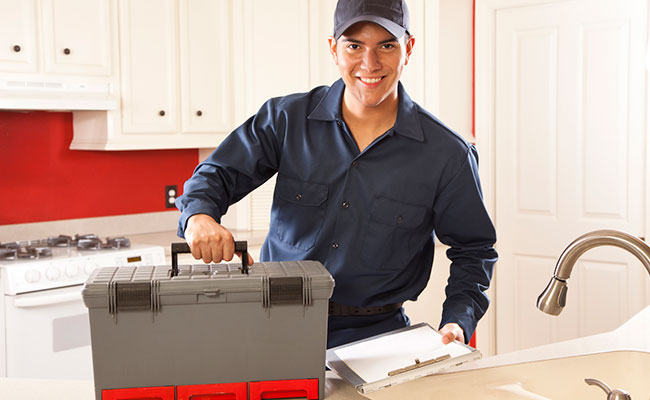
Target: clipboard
396	357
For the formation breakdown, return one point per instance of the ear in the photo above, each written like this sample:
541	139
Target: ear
332	46
409	48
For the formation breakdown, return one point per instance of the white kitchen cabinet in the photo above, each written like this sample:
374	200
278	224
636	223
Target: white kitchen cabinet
176	79
148	57
18	20
54	37
206	67
77	37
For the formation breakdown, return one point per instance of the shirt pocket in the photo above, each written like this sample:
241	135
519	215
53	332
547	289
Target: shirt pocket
299	211
388	238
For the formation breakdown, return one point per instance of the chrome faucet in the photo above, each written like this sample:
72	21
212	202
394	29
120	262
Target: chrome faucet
553	298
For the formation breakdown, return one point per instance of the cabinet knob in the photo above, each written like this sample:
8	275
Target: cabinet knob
17	49
199	113
66	51
161	113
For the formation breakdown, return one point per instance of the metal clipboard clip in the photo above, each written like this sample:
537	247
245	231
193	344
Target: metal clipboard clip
419	364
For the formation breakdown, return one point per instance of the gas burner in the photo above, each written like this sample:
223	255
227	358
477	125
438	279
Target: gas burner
88	242
32	252
53	246
59	241
93	242
7	253
118	242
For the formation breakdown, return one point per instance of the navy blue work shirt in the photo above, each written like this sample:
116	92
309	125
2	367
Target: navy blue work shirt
370	217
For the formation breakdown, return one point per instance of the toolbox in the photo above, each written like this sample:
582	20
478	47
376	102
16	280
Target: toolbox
209	331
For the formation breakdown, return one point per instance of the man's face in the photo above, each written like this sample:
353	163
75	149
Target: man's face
370	61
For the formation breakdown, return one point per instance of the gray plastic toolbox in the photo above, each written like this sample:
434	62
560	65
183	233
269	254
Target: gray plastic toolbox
210	324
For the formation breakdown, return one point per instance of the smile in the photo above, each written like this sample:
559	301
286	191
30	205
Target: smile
370	80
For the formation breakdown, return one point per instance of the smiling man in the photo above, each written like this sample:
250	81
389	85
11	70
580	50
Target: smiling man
366	179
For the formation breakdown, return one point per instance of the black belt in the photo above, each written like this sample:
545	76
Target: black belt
342	309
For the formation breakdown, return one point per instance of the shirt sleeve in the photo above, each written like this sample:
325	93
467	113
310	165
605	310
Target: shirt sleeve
247	158
463	223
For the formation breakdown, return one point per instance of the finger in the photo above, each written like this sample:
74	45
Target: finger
228	248
447	338
216	252
249	260
195	250
206	253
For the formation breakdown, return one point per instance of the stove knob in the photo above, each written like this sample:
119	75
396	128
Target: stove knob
32	276
52	274
71	271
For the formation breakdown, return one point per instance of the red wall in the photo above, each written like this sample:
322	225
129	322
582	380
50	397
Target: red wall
43	180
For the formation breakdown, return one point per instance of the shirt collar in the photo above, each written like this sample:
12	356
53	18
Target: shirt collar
408	121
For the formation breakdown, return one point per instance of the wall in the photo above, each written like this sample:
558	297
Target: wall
42	180
455	66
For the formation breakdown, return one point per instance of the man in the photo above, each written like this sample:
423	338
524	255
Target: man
366	177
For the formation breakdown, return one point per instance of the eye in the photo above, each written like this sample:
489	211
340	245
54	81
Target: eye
388	46
353	46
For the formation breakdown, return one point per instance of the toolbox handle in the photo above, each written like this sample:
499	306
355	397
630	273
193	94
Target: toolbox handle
183	247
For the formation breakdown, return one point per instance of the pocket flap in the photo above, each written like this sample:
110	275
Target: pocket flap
396	213
298	192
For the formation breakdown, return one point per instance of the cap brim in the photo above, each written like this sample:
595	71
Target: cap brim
389	25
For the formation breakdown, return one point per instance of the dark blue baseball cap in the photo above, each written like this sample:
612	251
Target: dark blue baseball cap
392	15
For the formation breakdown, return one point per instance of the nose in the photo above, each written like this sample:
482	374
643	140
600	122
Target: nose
370	61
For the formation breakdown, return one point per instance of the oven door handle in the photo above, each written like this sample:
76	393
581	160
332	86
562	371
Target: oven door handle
47	300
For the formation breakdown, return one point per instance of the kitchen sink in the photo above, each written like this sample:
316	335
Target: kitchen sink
562	378
620	358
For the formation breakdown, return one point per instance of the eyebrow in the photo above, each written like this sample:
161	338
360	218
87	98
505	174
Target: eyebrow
350	40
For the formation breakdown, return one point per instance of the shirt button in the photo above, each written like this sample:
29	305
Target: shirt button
346	204
400	219
335	245
355	163
298	196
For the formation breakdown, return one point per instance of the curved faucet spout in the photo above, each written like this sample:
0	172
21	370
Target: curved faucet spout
553	298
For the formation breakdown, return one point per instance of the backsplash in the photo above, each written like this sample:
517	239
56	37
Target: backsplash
43	180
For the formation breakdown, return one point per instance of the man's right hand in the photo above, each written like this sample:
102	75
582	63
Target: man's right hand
210	241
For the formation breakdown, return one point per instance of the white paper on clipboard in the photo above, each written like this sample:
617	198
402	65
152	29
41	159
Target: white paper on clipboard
367	363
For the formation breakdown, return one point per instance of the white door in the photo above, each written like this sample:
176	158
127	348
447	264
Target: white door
569	136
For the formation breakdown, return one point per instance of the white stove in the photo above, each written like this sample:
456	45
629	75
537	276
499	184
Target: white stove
65	261
44	328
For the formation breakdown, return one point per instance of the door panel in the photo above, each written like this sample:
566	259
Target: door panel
569	140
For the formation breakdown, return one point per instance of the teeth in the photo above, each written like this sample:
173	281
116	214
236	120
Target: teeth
370	80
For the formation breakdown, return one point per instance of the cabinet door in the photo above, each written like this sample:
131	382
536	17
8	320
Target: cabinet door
206	78
77	36
18	51
148	54
275	49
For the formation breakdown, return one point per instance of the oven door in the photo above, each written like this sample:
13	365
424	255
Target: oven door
48	335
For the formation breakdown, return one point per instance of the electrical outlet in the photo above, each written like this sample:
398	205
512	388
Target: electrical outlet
171	192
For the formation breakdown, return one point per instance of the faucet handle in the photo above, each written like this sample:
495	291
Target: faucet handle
616	394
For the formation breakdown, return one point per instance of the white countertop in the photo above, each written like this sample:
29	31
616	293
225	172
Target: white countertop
633	335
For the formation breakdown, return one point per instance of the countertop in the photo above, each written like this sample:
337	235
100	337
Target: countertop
38	389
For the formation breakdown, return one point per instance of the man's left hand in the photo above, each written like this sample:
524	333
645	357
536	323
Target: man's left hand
452	331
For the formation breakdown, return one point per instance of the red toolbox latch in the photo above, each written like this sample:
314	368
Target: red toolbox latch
286	389
217	391
143	393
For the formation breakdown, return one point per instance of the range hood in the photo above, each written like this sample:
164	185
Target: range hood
54	95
